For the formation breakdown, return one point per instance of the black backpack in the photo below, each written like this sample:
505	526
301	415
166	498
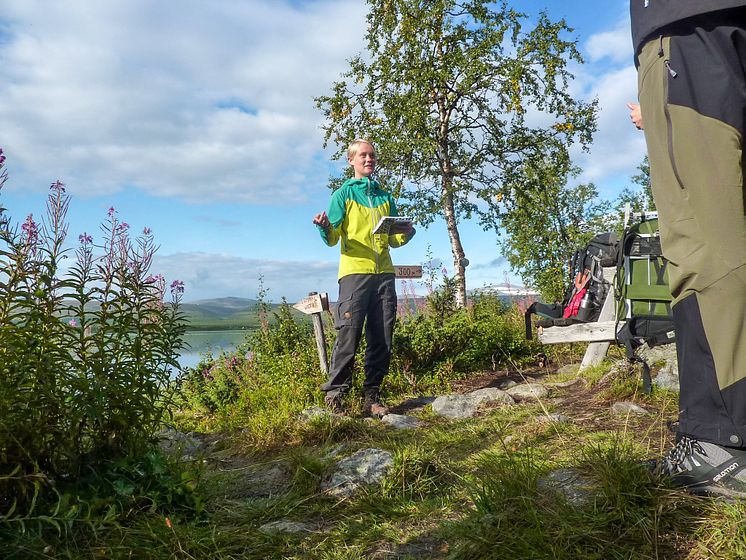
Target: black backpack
586	289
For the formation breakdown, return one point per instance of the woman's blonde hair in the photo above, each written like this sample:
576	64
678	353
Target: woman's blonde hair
355	144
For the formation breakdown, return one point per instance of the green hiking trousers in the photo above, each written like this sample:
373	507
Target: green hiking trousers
692	91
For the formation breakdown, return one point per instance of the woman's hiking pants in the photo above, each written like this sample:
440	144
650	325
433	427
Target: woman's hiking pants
369	300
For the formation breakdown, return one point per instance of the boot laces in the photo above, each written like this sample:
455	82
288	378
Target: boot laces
684	449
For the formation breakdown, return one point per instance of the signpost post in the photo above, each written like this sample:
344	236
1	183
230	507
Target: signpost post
313	305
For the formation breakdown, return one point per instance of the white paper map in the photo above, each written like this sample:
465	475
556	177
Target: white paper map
393	224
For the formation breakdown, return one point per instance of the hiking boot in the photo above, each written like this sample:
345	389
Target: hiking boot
334	404
705	468
372	406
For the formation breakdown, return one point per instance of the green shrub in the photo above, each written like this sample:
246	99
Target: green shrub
86	354
447	342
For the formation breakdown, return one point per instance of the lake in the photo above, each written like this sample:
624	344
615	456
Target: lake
201	342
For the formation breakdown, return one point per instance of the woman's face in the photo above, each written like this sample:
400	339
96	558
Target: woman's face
364	161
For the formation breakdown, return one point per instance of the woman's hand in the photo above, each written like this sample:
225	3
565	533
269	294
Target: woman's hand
322	220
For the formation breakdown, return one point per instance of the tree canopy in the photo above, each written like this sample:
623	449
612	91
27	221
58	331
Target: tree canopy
458	95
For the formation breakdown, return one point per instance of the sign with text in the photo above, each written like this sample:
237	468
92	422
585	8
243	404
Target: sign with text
315	303
408	271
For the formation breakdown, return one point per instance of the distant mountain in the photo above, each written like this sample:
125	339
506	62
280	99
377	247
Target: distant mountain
227	313
221	307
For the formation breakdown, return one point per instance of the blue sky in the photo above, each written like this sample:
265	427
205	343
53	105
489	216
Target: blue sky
197	120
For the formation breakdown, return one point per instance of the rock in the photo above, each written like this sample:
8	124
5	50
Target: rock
315	412
569	368
667	378
402	422
491	395
569	383
176	443
553	418
665	353
505	384
455	406
577	488
285	526
465	406
528	392
626	407
365	467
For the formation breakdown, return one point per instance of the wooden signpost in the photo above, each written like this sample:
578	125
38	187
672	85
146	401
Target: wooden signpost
408	271
313	305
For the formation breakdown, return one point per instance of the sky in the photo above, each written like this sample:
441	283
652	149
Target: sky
196	119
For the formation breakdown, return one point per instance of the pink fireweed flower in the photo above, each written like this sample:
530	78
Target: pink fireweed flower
2	157
177	287
146	231
124	226
111	211
30	229
72	323
85	239
57	186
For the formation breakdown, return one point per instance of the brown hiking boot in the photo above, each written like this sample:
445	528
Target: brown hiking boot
334	404
372	406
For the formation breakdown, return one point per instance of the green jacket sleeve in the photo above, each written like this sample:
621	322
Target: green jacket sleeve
336	214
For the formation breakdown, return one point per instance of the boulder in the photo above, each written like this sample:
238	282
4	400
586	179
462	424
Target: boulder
402	422
528	392
626	407
363	468
465	406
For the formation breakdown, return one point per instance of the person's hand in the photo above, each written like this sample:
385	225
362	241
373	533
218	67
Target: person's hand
322	220
635	115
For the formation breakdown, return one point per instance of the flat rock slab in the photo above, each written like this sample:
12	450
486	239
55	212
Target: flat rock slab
402	422
553	419
569	383
577	488
285	526
528	392
465	406
667	378
626	407
365	467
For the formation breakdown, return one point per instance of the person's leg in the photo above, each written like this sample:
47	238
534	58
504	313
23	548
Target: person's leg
349	316
379	329
693	98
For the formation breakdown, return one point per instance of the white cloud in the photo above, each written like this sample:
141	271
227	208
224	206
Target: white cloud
615	44
207	275
192	100
611	78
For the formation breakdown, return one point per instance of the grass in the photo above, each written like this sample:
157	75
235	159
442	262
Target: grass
458	489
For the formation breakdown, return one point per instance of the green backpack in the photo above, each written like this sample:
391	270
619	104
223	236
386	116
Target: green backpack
642	293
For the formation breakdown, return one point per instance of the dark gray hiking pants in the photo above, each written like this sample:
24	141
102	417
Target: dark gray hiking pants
370	300
692	88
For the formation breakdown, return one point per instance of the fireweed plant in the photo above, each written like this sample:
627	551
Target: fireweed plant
86	355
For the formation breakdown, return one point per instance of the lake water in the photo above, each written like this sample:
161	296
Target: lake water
201	342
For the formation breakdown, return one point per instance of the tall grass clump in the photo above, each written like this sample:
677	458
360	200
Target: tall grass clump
616	510
262	387
87	351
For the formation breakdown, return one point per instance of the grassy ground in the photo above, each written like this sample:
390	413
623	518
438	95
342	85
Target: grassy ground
459	489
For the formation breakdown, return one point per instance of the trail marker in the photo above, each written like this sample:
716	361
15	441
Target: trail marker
313	305
408	271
